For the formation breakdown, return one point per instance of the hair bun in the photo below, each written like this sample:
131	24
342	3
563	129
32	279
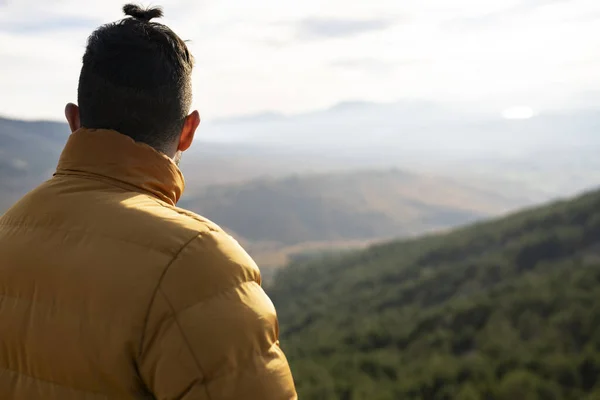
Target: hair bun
144	15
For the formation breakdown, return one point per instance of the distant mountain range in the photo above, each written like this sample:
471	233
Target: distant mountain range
413	128
552	154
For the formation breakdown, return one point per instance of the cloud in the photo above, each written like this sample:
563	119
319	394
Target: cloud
369	64
539	3
315	28
500	16
373	65
35	26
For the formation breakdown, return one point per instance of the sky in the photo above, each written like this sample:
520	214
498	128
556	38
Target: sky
298	56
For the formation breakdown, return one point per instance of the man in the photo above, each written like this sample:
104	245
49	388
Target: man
107	289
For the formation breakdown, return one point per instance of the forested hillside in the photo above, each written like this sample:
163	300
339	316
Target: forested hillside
508	309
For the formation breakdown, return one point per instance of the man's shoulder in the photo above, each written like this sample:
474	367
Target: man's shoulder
192	220
212	253
175	225
203	231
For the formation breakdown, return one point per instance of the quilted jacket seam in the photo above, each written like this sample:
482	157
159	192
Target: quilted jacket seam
156	289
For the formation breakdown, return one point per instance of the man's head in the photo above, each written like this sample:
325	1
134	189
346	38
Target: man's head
136	79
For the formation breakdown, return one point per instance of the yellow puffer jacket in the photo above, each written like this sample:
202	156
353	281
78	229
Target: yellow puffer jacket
108	291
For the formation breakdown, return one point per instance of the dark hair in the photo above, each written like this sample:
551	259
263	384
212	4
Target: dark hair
136	79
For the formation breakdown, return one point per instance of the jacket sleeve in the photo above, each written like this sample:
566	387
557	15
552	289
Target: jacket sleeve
211	331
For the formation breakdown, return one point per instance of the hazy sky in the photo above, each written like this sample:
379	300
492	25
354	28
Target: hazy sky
296	56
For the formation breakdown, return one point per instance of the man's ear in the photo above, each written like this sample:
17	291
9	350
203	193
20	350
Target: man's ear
72	115
189	129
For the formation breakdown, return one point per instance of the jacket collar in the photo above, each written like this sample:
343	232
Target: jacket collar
109	154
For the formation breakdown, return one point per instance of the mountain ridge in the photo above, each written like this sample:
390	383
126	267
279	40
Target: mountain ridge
358	207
